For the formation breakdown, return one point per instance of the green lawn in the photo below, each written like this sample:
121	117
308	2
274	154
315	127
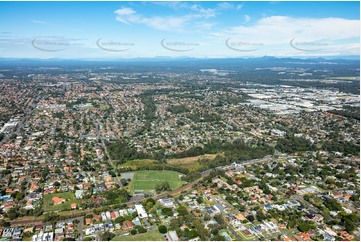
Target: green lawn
149	236
147	180
69	199
103	106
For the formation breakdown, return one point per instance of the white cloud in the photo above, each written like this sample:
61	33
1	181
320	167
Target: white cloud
224	5
125	11
125	15
239	6
165	23
195	16
202	12
281	29
122	20
246	18
228	5
197	9
172	4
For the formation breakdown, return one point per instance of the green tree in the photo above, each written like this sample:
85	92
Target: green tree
202	232
162	187
303	226
51	217
260	216
162	229
215	231
350	221
219	237
106	236
291	223
141	229
250	218
192	234
119	220
175	223
220	221
135	214
12	213
167	212
182	210
3	223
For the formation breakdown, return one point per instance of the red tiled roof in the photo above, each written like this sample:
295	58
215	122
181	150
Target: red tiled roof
57	200
127	225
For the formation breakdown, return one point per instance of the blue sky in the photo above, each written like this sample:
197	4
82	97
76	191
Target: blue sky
196	29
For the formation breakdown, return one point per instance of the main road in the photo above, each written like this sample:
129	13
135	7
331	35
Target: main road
22	122
97	125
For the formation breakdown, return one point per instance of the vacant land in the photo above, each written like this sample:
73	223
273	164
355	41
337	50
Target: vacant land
134	164
147	180
49	204
149	236
191	163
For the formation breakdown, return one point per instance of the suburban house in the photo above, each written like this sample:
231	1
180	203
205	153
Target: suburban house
127	225
141	211
58	200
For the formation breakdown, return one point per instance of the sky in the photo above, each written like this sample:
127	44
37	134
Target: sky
117	30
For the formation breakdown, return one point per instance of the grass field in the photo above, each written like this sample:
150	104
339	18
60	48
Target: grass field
191	163
149	236
138	163
69	199
147	180
103	106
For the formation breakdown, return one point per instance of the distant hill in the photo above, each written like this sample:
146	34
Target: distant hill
167	59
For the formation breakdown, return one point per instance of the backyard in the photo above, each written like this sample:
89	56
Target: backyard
49	204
